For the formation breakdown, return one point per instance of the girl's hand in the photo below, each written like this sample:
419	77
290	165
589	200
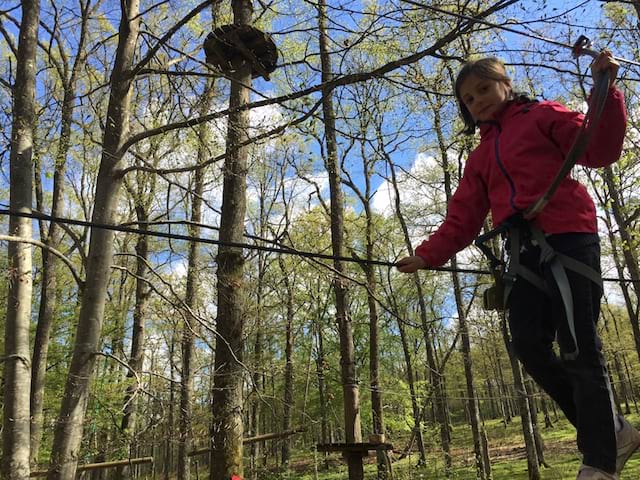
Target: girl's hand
411	264
604	62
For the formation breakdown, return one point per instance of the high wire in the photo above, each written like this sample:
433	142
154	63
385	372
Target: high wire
213	241
248	246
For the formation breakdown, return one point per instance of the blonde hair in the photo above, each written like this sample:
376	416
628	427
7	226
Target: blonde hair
489	68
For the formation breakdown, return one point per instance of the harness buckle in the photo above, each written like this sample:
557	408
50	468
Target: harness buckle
493	297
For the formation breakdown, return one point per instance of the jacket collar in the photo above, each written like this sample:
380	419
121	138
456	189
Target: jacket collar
511	108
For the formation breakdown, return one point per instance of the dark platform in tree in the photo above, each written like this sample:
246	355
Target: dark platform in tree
362	449
229	43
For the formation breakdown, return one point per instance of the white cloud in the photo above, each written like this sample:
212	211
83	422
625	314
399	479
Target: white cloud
410	187
178	268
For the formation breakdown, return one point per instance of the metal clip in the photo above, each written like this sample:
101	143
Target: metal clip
583	47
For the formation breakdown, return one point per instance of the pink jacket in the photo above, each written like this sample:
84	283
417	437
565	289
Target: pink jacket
519	154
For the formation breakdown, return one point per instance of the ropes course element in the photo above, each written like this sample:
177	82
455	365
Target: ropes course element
212	241
249	246
229	43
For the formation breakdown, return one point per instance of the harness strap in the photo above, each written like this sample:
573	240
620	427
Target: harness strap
549	257
580	268
557	263
515	268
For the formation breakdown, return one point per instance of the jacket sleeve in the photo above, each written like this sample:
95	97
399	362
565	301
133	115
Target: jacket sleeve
605	144
466	211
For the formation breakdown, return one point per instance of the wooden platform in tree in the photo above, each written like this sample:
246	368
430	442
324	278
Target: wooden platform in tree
228	43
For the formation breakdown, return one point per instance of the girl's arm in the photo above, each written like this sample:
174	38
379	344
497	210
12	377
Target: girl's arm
605	145
466	212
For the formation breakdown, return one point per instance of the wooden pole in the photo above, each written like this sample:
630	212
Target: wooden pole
258	438
142	460
97	466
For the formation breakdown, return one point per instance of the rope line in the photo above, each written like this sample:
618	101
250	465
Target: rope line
248	246
212	241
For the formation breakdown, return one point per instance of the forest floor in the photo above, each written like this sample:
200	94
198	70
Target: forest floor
507	452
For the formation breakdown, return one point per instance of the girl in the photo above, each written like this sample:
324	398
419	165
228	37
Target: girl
522	145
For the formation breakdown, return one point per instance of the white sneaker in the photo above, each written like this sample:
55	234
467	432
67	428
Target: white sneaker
628	440
591	473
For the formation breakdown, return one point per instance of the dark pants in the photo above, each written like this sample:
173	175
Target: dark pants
580	387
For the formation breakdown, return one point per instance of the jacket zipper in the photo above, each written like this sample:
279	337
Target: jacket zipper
503	169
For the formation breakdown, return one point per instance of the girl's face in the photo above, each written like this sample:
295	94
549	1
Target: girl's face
483	96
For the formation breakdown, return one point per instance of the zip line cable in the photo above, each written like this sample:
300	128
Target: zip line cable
213	241
248	246
505	28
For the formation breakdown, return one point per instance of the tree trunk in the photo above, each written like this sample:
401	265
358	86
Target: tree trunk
374	368
631	384
17	361
48	289
365	197
507	412
322	389
628	246
69	426
483	471
533	408
533	465
136	357
435	375
258	375
417	413
170	432
287	403
191	289
350	389
227	410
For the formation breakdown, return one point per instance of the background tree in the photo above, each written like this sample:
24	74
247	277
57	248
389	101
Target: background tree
16	358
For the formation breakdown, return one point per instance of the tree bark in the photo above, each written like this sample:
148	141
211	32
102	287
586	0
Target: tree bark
227	410
288	400
530	388
70	423
483	470
365	196
191	289
136	356
320	367
52	237
374	367
171	415
16	358
258	372
350	388
533	465
417	413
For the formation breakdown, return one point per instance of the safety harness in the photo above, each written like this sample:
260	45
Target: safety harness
520	230
522	234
